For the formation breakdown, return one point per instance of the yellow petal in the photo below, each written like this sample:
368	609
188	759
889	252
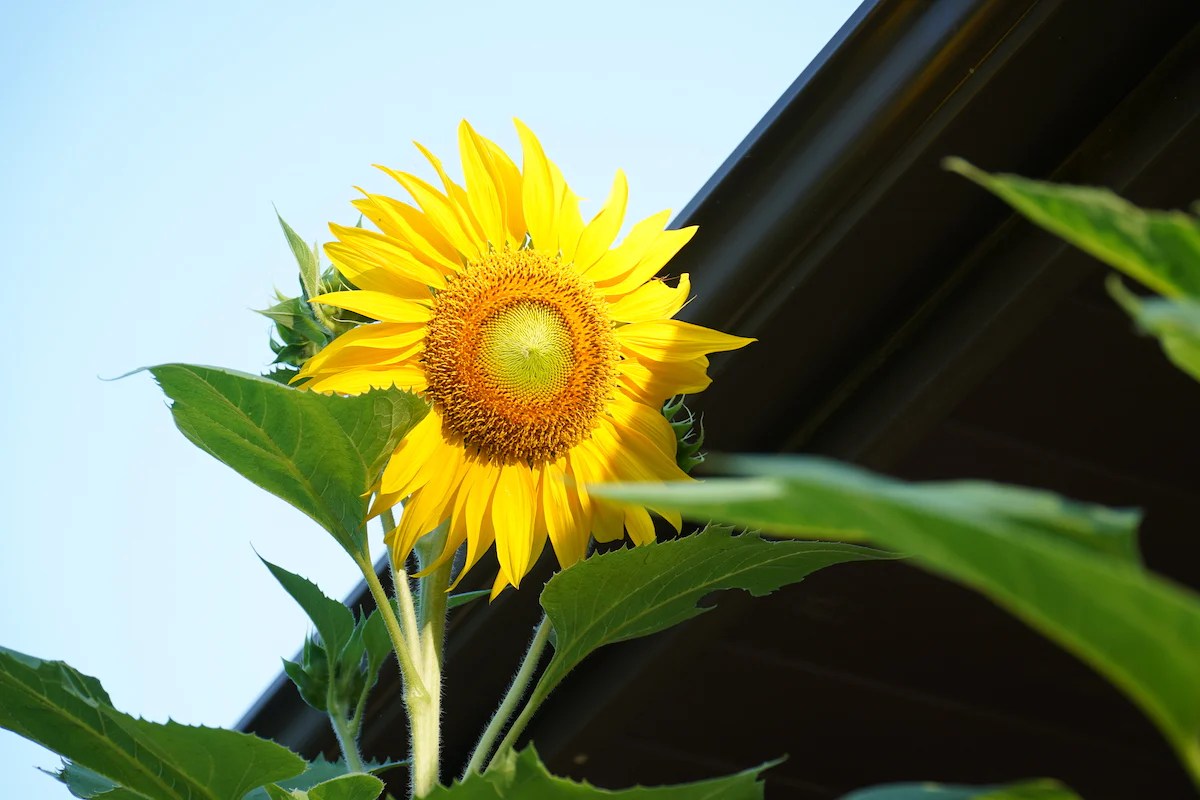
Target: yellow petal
662	250
652	300
509	178
647	421
362	379
405	471
538	201
639	525
481	532
561	514
387	252
675	340
616	263
366	273
481	180
410	227
591	467
570	225
512	514
654	383
384	340
441	212
602	231
430	504
458	197
377	305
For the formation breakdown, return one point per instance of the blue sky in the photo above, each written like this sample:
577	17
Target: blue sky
141	149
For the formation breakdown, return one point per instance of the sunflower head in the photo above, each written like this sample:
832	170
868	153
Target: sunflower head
546	349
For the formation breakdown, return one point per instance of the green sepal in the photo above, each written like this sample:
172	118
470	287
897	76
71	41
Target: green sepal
689	433
306	258
522	776
311	675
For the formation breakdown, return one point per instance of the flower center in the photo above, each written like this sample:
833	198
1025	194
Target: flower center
520	356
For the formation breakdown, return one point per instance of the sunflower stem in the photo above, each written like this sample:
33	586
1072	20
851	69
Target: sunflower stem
426	716
408	668
347	735
515	692
404	598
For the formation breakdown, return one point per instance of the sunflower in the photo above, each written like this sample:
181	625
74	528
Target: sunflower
546	354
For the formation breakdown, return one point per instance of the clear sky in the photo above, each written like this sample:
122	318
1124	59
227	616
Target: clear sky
142	145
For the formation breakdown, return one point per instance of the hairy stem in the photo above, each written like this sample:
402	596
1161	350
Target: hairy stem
403	646
431	619
515	692
347	736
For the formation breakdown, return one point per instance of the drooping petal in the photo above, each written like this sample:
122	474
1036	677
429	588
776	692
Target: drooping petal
407	469
639	525
560	510
512	513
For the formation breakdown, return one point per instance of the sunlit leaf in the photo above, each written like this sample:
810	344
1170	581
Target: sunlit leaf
635	592
318	772
522	776
1176	324
1160	249
50	703
320	453
1065	568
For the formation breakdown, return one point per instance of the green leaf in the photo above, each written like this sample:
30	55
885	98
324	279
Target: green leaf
1160	249
1176	323
379	646
1062	567
319	771
318	452
522	776
332	619
81	781
273	792
306	259
1033	790
462	598
630	593
348	787
58	707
